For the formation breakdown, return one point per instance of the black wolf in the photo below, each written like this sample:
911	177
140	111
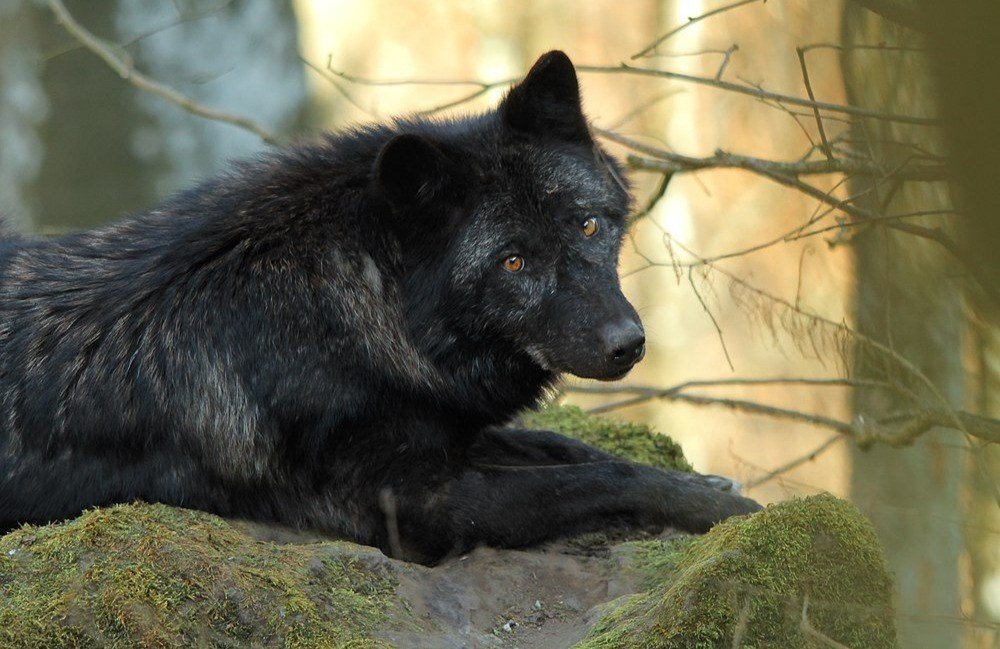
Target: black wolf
335	335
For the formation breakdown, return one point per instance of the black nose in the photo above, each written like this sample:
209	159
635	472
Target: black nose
624	343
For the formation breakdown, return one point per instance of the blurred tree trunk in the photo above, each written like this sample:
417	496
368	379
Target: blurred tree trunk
983	512
909	296
965	38
23	107
90	172
964	42
109	148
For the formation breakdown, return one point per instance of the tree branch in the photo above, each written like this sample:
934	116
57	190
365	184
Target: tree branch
809	90
760	93
124	67
786	173
690	21
674	163
896	430
796	463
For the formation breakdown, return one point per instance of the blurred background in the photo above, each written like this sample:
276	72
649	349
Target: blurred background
804	314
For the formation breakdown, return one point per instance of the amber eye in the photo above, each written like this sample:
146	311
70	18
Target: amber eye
514	263
590	226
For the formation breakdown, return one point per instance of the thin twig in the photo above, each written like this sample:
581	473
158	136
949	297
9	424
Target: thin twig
333	81
727	57
482	87
796	463
624	68
715	323
760	93
772	170
124	67
881	47
690	21
653	392
654	199
669	161
809	90
641	108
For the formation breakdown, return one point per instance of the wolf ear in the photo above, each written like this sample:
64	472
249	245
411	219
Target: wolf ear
410	170
547	101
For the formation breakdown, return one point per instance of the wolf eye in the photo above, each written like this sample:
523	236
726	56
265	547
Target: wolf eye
590	226
514	263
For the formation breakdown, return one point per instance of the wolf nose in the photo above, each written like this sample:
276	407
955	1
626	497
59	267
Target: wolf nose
624	343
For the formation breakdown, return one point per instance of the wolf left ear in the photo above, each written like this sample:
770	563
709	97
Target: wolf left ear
547	101
410	170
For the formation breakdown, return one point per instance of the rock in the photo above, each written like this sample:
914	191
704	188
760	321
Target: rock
156	576
636	442
803	573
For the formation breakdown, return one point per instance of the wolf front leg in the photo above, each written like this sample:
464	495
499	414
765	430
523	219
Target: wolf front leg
523	447
517	506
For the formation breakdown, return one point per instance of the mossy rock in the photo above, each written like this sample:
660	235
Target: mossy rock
798	574
156	576
636	442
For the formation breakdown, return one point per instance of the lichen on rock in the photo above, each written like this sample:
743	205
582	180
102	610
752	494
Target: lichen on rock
798	574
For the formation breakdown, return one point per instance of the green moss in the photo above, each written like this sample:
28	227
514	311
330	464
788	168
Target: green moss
635	442
750	577
655	560
156	576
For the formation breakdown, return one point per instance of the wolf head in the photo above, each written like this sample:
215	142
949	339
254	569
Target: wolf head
517	216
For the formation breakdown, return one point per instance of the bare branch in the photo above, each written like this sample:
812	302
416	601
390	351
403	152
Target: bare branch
881	47
690	21
482	87
641	108
779	172
715	323
903	428
124	67
726	58
654	198
796	463
896	430
670	162
333	81
819	119
759	93
648	393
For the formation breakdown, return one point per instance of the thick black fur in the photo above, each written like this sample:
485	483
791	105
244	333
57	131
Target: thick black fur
331	337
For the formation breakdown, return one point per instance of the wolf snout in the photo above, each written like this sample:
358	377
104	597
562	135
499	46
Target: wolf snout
622	343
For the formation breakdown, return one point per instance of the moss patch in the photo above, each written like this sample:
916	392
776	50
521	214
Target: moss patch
156	576
635	442
750	578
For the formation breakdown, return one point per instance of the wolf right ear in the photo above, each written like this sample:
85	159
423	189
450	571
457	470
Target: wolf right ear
547	101
410	170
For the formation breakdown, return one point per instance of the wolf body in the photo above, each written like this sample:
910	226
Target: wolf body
335	336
